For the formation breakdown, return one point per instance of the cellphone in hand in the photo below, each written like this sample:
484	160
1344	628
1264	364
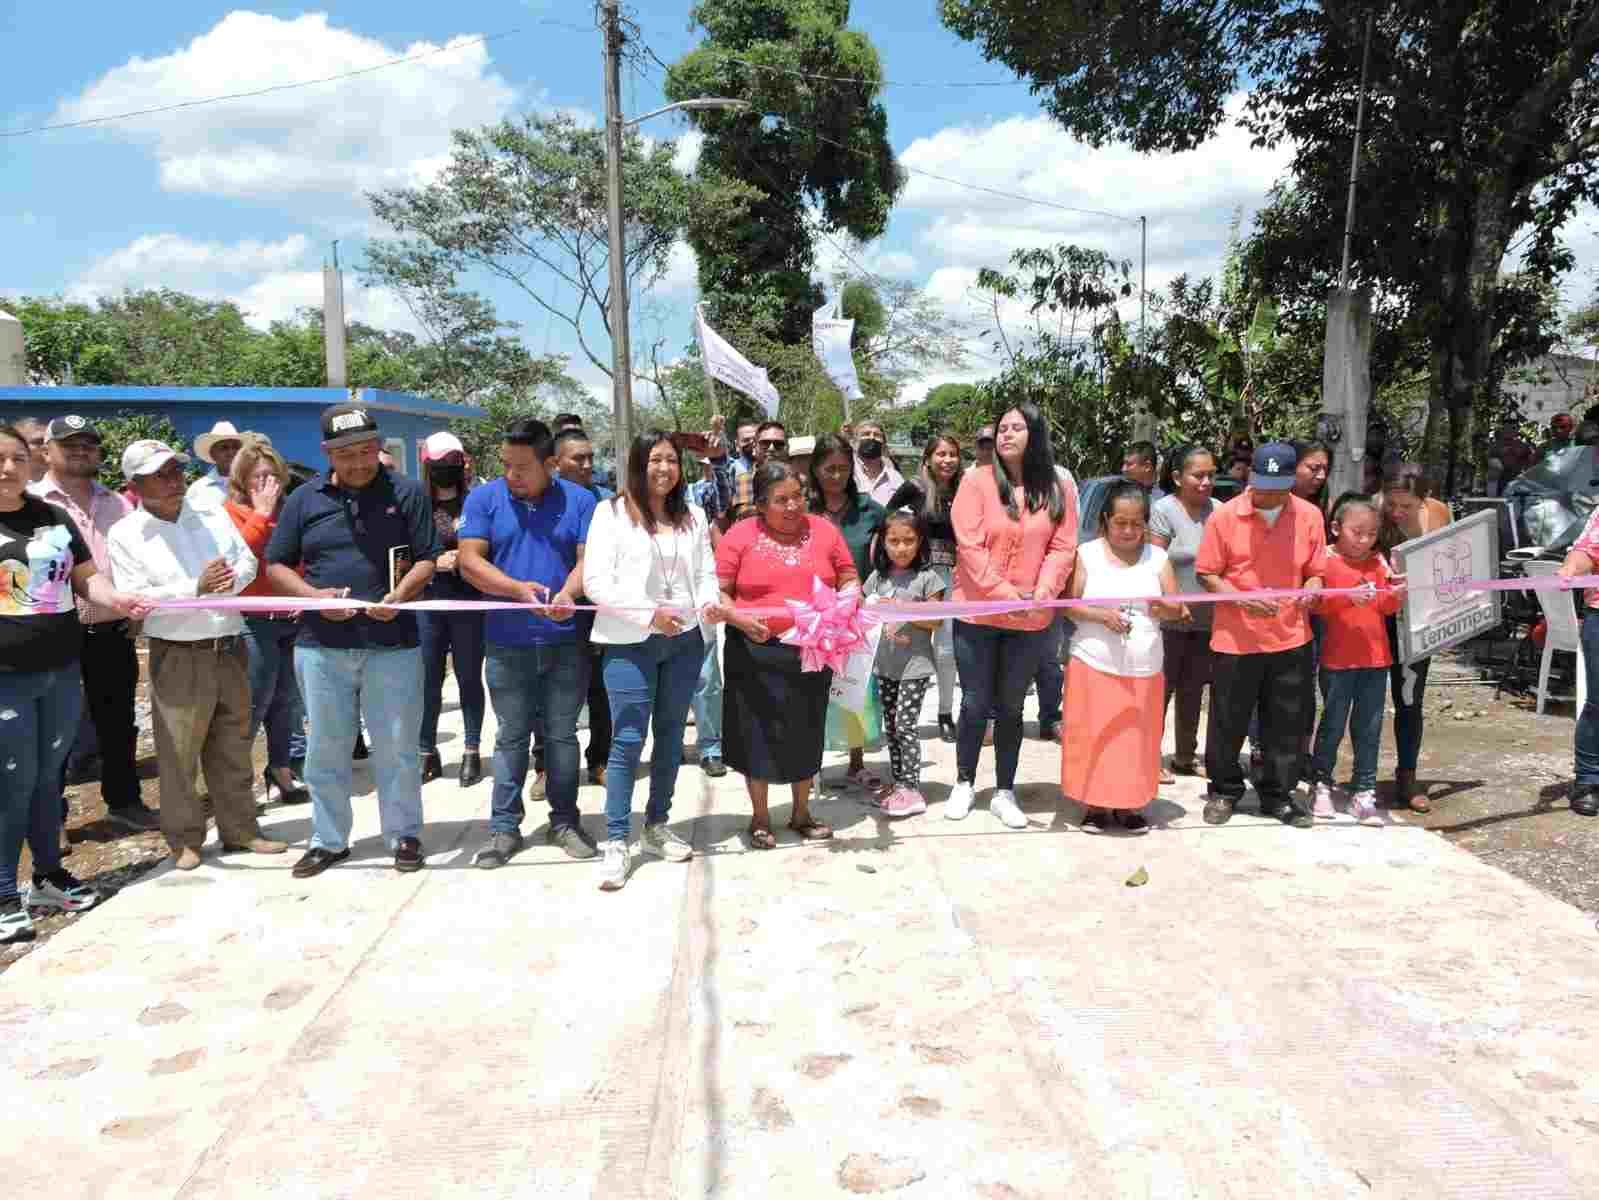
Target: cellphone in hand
400	563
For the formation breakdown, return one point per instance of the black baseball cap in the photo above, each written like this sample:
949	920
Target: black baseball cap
347	424
60	429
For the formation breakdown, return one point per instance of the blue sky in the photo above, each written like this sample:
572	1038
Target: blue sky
240	199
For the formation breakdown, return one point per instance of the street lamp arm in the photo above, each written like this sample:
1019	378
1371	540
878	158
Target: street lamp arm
701	104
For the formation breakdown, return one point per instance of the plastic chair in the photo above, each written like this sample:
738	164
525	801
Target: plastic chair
1562	632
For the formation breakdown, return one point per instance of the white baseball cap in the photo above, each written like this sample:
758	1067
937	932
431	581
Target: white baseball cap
441	443
147	456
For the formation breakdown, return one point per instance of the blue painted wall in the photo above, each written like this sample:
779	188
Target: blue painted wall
289	416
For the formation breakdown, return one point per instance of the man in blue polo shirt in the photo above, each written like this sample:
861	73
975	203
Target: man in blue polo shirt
522	537
354	529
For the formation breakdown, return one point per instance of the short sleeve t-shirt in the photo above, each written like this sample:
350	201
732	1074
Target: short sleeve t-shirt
39	547
1169	518
343	537
912	659
533	541
757	569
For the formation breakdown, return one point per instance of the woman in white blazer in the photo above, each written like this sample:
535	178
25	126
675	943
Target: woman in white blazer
648	563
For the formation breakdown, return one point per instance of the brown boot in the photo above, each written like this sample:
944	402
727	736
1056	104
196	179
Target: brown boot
1408	793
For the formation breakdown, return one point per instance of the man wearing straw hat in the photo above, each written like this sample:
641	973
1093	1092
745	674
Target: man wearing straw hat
217	448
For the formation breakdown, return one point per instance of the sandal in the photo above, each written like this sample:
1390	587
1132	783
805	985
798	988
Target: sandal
761	838
812	830
868	780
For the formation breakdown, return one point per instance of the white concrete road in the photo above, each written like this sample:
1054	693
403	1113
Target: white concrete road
926	1009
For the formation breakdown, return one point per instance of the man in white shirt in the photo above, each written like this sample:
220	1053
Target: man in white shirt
199	676
219	447
875	473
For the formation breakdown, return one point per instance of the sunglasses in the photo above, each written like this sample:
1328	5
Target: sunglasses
774	443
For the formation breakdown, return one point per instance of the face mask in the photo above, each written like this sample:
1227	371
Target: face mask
870	448
444	475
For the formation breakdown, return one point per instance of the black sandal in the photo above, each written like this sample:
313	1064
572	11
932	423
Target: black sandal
761	838
812	830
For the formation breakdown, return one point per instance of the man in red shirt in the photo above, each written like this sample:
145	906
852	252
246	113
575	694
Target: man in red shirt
1266	538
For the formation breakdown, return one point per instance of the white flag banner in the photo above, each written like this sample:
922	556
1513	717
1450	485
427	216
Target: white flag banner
830	336
732	368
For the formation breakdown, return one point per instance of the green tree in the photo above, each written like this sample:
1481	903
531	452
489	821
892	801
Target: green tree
1484	119
143	339
524	201
815	138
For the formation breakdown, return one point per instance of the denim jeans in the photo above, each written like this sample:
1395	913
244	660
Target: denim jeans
460	636
1587	741
708	705
1408	686
39	712
543	687
1051	674
1352	698
995	666
274	691
339	688
650	685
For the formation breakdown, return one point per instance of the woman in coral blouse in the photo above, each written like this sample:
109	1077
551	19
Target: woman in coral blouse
773	713
1015	539
257	484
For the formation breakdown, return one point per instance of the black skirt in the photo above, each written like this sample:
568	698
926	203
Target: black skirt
774	715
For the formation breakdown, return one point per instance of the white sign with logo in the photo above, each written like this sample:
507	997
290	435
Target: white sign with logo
1439	609
850	685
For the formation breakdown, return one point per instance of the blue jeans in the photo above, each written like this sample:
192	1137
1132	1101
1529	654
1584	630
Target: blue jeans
39	712
1352	698
460	635
339	688
274	691
650	685
532	687
995	666
1051	675
1587	741
708	705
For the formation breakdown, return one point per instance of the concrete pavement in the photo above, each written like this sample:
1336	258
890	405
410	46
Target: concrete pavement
921	1008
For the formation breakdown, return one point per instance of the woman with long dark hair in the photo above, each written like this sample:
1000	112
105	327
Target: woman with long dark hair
1016	539
648	563
836	495
459	634
774	712
1310	474
932	494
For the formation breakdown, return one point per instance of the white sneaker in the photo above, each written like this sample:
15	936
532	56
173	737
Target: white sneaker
662	842
959	802
1364	806
1323	809
1003	805
613	867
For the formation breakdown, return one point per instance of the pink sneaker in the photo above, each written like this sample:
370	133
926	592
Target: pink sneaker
904	802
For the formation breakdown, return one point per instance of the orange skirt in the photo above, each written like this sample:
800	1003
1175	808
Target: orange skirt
1110	737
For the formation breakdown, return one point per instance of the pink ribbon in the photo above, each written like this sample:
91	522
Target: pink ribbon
828	628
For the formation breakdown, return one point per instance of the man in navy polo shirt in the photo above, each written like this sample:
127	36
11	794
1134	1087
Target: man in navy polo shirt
522	537
348	528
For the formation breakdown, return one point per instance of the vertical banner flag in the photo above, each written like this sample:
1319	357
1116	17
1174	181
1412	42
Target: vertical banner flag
830	336
732	368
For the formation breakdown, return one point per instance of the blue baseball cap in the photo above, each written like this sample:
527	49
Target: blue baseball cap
1273	468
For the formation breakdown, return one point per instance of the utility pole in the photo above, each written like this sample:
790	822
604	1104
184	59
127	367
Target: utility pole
333	334
621	349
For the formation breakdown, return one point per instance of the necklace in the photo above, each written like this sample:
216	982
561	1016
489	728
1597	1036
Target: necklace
668	574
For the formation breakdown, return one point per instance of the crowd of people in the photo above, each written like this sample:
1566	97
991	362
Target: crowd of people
661	603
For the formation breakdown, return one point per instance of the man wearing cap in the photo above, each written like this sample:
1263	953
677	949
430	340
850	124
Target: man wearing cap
217	448
362	532
985	446
110	663
166	549
1265	538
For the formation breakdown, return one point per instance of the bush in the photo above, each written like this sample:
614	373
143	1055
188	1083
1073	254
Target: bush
121	430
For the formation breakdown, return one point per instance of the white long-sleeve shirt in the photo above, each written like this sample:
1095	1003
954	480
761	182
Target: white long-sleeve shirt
163	560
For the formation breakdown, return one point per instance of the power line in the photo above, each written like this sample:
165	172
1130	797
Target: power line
280	87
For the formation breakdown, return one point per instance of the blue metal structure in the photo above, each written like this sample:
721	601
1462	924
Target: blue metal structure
289	416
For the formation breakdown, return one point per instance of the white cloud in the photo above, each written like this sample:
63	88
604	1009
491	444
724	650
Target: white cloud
388	128
269	281
686	156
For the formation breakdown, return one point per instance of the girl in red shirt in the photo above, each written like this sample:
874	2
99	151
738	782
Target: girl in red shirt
1355	656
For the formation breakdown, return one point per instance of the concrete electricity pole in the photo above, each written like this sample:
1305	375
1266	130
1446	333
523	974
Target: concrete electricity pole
621	347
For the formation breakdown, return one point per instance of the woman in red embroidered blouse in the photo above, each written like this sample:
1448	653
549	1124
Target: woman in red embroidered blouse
774	714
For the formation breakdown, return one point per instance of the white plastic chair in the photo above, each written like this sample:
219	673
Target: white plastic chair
1562	631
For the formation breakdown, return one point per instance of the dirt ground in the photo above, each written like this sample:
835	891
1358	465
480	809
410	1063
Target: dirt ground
1496	772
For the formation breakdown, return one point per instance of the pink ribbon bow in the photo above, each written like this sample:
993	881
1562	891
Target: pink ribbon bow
827	627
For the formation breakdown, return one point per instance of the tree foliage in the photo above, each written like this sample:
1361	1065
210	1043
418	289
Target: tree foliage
815	137
1483	121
